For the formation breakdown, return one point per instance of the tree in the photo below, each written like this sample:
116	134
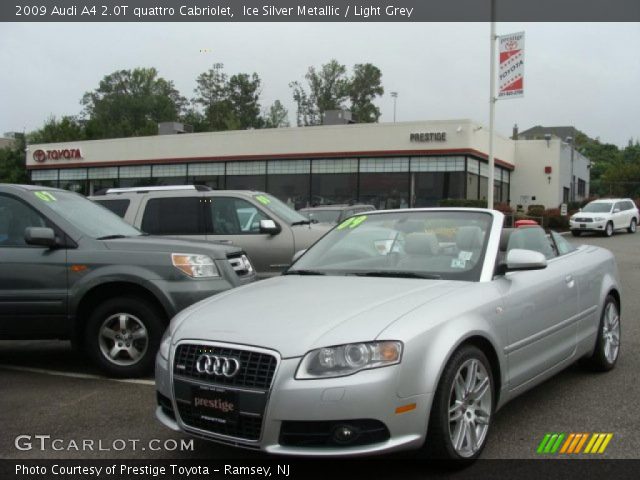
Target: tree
13	162
228	103
243	92
131	103
364	88
67	129
277	116
330	88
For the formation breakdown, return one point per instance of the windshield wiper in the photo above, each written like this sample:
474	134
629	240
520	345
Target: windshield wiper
303	272
111	237
396	274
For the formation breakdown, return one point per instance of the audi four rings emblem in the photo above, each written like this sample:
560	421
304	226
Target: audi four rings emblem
218	365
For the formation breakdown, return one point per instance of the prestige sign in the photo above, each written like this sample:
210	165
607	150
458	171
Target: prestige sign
41	156
428	137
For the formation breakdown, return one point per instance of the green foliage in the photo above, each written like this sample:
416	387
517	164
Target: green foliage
364	87
277	116
329	88
554	221
535	210
228	103
622	176
67	129
13	163
130	103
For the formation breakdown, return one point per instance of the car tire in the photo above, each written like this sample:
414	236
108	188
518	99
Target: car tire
450	436
576	233
633	226
607	349
123	335
608	229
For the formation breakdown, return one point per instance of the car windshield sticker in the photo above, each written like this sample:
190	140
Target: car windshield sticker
458	263
263	200
45	196
352	222
466	256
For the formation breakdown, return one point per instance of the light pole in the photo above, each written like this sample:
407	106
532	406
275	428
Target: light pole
395	98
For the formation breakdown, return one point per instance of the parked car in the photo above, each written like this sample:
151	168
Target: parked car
605	216
263	226
334	213
71	269
411	346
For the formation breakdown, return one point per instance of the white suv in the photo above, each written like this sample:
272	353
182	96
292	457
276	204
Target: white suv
605	216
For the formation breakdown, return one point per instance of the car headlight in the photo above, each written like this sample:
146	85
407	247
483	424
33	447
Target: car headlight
165	344
599	219
196	266
342	360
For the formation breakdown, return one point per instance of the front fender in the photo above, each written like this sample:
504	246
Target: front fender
116	274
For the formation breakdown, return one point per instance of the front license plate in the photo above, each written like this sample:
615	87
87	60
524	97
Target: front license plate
583	225
217	405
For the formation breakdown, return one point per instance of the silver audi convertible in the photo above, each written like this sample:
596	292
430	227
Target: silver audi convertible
404	329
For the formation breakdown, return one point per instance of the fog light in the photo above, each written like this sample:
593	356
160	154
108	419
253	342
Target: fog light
345	434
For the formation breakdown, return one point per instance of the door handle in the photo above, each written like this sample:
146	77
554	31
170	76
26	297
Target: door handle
570	281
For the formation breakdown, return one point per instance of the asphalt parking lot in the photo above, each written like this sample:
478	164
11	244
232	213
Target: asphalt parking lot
48	389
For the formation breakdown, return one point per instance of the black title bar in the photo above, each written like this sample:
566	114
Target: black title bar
318	10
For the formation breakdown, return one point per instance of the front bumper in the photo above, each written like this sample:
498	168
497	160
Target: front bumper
588	226
370	394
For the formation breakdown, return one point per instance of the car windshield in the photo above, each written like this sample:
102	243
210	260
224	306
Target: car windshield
323	216
417	244
600	207
281	209
90	218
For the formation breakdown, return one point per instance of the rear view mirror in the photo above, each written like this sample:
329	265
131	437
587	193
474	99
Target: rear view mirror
44	237
520	259
270	227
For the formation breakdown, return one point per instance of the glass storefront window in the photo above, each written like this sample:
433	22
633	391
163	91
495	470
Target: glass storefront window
291	189
246	182
385	191
430	188
472	186
332	188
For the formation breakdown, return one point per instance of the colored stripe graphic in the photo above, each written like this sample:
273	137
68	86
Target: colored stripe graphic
573	443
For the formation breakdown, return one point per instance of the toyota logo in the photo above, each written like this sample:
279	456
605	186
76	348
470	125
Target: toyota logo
217	365
39	156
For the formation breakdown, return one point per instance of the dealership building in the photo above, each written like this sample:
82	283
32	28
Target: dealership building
389	165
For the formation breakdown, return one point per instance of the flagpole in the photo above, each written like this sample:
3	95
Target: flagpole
492	106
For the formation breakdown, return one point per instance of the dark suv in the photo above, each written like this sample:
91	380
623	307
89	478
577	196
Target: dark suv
71	269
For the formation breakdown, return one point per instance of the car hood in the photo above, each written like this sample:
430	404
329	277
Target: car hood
295	314
306	235
148	243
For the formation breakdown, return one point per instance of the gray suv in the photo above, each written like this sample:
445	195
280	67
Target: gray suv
263	226
71	269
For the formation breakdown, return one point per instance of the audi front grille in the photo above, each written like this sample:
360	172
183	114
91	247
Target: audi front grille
251	385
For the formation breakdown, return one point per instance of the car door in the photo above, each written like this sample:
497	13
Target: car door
540	311
175	216
235	221
619	215
33	279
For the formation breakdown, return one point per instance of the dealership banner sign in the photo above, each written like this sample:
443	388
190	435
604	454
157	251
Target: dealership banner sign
511	72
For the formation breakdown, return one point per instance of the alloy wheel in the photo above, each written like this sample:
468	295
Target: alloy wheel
611	332
470	403
124	339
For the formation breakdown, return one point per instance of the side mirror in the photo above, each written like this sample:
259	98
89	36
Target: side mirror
520	259
297	255
44	237
616	210
270	227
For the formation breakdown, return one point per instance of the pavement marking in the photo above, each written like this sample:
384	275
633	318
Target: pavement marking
86	376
